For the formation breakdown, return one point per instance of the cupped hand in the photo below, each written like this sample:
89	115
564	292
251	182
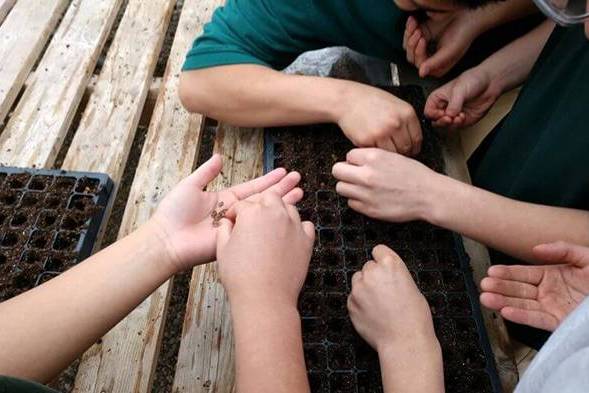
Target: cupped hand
541	296
264	257
386	307
372	117
463	101
452	36
184	219
386	186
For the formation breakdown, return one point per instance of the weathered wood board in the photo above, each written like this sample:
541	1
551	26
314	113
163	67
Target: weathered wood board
5	7
38	126
206	358
23	36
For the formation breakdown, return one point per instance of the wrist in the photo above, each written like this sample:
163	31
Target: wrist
435	200
157	237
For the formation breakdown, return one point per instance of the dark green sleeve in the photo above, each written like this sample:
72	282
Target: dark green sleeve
13	385
247	32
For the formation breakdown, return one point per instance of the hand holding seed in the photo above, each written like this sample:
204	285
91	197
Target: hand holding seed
183	219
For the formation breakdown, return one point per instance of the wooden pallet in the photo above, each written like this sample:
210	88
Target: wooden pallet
49	91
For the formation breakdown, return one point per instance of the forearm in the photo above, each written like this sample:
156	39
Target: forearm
45	329
417	368
501	223
510	67
256	96
269	349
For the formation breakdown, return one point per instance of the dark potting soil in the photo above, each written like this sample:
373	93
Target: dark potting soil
48	223
338	360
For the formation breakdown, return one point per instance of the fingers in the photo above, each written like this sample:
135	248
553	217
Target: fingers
207	172
351	191
562	252
286	184
387	144
436	104
294	196
309	229
263	183
439	63
347	173
509	288
412	45
410	27
383	254
456	102
525	274
421	53
537	319
495	301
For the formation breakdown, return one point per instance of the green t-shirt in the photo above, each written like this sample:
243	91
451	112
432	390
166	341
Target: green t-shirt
12	385
540	152
275	32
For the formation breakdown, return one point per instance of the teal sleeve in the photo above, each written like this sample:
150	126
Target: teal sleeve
13	385
245	32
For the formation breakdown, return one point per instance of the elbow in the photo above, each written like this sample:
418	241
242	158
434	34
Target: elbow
192	92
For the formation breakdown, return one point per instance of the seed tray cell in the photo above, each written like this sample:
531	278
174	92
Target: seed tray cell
338	360
49	221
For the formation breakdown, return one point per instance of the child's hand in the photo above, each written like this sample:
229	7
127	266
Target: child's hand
184	219
387	186
372	117
386	306
264	257
463	101
540	296
452	35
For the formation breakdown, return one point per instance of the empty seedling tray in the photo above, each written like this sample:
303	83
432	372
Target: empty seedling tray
338	360
49	220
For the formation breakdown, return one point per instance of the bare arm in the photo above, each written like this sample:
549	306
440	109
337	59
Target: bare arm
394	188
256	96
504	224
45	329
263	283
466	99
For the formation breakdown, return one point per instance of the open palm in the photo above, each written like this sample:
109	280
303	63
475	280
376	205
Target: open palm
185	219
540	296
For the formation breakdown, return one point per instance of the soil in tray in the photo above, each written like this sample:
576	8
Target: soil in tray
43	220
338	360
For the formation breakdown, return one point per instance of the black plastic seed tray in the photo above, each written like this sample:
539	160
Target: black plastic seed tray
338	360
49	220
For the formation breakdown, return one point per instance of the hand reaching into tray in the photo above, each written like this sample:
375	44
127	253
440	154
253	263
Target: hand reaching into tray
189	212
372	117
390	313
386	186
540	296
263	261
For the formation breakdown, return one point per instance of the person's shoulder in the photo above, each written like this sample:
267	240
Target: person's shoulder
14	385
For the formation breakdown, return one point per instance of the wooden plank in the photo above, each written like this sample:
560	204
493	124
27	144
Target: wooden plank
109	123
206	357
5	7
40	122
23	36
125	359
480	262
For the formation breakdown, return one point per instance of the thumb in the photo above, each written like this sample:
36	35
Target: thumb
456	101
309	229
207	172
439	63
562	252
224	234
